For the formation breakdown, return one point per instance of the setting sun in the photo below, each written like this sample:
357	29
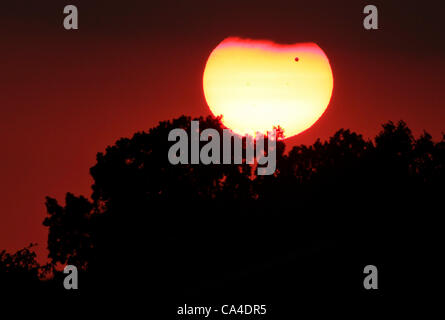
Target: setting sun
256	85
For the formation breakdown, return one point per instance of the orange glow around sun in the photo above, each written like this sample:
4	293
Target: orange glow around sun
256	85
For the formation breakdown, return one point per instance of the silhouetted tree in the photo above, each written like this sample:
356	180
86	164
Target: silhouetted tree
19	270
177	227
70	230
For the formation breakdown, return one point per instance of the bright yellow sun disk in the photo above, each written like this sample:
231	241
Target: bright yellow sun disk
256	85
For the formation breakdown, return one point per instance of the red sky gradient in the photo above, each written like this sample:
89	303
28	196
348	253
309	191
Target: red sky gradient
66	95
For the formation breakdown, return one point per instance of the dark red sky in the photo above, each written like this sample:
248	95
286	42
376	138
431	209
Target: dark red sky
65	95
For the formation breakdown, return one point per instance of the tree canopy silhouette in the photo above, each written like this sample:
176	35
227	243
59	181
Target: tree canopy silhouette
190	226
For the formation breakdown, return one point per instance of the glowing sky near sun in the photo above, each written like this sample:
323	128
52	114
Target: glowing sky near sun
256	85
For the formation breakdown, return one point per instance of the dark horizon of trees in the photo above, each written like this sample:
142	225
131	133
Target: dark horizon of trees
176	219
